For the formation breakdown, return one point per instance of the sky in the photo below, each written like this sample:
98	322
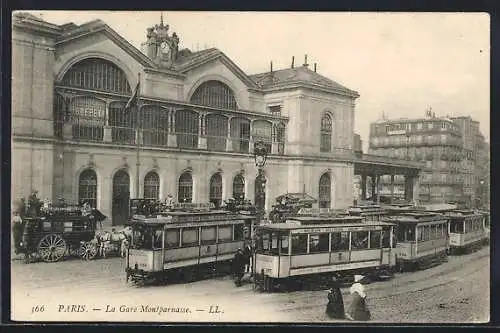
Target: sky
400	63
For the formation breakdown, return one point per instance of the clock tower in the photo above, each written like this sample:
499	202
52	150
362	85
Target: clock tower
161	47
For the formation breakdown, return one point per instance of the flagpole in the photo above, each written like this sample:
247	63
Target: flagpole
138	147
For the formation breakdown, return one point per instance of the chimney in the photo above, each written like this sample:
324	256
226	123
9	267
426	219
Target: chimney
271	66
305	61
293	61
314	67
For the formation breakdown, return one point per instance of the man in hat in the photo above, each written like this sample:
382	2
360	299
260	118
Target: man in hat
238	267
358	310
335	306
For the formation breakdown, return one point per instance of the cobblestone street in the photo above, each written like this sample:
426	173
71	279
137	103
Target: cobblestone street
457	291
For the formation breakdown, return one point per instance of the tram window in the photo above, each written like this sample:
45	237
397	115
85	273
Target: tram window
359	240
319	243
284	244
340	241
265	243
375	240
299	244
208	235
238	232
386	238
172	238
467	226
420	234
439	231
225	234
456	226
157	238
427	233
274	244
190	237
433	232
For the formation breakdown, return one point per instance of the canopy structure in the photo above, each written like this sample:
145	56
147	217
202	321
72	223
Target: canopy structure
300	198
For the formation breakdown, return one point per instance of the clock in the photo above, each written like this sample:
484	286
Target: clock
164	45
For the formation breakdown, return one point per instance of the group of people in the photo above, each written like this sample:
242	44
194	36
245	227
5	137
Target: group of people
358	310
242	264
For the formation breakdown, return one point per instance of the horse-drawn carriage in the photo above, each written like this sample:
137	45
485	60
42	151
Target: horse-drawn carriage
240	206
49	232
289	204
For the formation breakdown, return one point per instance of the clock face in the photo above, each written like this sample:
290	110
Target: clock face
164	45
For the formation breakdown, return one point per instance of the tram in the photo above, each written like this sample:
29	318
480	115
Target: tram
311	247
421	239
185	243
467	230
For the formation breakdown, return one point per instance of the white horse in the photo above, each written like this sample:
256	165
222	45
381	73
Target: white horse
111	242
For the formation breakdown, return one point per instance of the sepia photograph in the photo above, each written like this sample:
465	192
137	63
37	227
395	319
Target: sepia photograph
246	167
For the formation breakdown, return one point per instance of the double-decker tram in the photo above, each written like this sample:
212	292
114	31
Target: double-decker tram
309	246
369	212
421	239
185	243
467	230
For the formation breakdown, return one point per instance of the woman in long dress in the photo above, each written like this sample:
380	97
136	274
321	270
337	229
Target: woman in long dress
335	306
358	310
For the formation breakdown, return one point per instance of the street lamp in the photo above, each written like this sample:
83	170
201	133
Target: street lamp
260	155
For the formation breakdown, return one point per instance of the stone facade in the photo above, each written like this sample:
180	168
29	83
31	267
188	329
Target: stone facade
49	158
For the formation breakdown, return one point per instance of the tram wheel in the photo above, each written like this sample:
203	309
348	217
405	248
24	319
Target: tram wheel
87	251
52	248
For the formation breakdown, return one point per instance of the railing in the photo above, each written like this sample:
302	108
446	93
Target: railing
392	160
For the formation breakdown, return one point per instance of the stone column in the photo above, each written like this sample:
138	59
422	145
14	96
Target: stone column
363	187
415	188
374	187
392	188
229	140
171	136
202	139
378	190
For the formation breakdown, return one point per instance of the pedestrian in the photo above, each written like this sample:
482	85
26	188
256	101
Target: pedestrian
335	306
248	258
17	229
358	310
238	267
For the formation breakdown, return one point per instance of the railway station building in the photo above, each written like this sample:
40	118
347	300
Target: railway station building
95	119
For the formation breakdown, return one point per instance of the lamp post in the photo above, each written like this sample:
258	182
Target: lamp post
260	156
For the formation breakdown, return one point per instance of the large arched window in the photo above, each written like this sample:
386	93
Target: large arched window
280	137
325	189
152	186
87	187
216	132
239	187
97	74
240	134
59	115
186	128
87	114
262	131
185	187
122	123
215	94
216	189
326	133
154	121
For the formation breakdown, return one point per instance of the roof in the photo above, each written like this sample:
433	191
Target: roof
415	217
173	217
412	120
292	226
436	207
301	75
300	197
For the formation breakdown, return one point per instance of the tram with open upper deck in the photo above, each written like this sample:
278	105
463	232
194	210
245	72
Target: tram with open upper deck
314	246
187	242
421	239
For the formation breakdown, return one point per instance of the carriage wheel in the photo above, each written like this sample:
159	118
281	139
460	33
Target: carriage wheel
52	248
87	251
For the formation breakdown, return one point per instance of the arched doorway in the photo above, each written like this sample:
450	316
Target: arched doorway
185	193
216	189
152	186
121	197
239	187
325	189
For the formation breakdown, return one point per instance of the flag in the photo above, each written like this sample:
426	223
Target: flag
134	99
